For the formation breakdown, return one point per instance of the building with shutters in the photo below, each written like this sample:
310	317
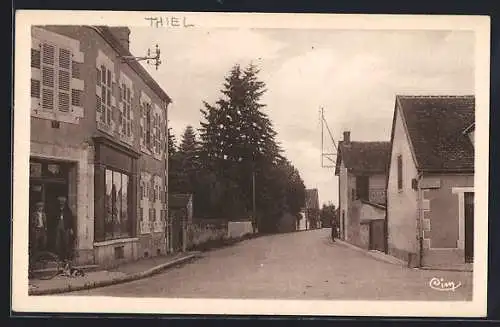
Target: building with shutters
98	137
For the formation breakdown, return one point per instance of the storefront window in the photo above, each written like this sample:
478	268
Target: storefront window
117	200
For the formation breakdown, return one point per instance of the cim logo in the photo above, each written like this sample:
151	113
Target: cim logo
440	284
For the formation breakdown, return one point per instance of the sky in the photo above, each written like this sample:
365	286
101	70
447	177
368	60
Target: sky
353	74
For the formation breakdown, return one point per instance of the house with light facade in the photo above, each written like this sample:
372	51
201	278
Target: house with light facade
98	137
430	187
362	170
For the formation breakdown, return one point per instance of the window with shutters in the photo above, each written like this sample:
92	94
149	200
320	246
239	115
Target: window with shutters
106	92
76	69
157	134
148	125
125	119
76	97
152	213
55	64
64	80
35	88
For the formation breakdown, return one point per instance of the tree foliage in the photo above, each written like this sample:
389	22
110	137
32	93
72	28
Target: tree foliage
328	214
237	145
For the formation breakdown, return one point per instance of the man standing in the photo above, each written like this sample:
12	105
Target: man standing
38	224
64	230
334	230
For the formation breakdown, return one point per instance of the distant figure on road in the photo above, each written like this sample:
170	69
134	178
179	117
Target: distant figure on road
334	230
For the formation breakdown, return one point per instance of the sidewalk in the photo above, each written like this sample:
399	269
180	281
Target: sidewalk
127	272
373	253
390	259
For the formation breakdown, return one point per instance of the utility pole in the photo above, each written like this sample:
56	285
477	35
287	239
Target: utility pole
253	202
328	156
322	127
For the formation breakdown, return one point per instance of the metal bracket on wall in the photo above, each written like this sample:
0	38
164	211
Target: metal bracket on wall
155	59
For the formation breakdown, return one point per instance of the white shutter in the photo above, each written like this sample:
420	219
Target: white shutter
108	105
158	134
48	54
64	79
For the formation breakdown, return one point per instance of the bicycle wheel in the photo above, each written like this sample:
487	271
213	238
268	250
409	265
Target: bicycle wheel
45	265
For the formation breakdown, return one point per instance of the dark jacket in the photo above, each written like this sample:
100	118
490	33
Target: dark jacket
68	217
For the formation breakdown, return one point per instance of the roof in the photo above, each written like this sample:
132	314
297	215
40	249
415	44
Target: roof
436	126
363	157
106	33
312	200
178	200
375	205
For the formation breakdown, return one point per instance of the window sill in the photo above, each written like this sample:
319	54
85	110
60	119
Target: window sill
126	139
64	117
105	128
117	241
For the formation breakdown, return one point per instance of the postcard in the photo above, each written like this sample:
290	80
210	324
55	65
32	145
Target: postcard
244	163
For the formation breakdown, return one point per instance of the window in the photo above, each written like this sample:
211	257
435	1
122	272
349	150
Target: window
35	58
157	134
76	97
362	186
400	172
106	90
117	204
35	88
56	77
76	69
125	118
148	126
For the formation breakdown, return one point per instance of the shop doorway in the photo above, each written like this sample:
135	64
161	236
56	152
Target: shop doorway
469	227
48	181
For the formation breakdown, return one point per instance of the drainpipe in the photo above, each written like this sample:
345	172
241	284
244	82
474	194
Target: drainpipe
420	218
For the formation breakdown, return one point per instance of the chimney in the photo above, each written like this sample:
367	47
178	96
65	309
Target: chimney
347	137
122	34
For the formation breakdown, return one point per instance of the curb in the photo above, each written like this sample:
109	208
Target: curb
395	261
375	255
118	280
446	269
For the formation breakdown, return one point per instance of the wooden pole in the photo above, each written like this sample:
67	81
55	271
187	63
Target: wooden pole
253	202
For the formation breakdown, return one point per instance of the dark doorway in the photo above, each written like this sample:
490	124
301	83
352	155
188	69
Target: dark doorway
469	226
48	180
362	183
176	216
377	235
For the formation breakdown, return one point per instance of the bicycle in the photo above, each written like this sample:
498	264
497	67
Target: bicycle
45	265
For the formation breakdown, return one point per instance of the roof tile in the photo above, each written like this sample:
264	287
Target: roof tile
436	127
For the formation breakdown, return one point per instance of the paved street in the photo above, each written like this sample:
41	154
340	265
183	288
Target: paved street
301	265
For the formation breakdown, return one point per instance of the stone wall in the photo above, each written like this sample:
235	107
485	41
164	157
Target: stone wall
238	229
205	231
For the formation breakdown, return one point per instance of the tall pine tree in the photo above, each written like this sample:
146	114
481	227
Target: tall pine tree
187	159
238	142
